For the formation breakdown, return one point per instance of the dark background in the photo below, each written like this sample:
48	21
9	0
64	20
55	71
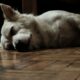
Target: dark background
68	5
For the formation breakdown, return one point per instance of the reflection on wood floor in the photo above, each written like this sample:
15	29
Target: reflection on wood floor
51	64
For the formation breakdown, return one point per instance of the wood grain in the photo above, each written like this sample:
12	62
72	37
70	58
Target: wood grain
51	64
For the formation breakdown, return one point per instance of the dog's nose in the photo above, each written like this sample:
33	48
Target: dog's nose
21	46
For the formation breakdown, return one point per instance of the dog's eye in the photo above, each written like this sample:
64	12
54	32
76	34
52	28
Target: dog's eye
12	31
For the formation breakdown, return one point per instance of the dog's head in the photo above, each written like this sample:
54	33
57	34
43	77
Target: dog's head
16	31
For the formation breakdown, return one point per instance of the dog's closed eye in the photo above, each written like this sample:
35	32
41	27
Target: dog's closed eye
12	31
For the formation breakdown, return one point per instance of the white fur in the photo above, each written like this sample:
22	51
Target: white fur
50	30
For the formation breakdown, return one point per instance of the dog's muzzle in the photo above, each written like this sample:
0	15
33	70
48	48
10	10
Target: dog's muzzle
22	46
21	42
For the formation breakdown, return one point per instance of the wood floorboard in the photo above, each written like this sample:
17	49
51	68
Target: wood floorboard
51	64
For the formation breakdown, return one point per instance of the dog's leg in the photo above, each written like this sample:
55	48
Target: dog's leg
6	44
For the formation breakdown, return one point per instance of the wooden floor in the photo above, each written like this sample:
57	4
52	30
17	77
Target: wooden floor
52	64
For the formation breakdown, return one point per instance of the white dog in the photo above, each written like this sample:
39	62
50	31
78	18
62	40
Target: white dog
52	29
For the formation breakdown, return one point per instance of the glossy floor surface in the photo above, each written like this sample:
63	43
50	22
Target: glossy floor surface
51	64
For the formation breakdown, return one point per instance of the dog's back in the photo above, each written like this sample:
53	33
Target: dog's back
59	28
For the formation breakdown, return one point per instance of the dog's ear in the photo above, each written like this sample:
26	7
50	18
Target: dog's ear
9	12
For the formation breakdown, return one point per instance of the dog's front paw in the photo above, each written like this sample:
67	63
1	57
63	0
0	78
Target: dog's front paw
5	44
8	46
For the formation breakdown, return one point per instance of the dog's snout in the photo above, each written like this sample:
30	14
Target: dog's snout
21	41
18	44
22	46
